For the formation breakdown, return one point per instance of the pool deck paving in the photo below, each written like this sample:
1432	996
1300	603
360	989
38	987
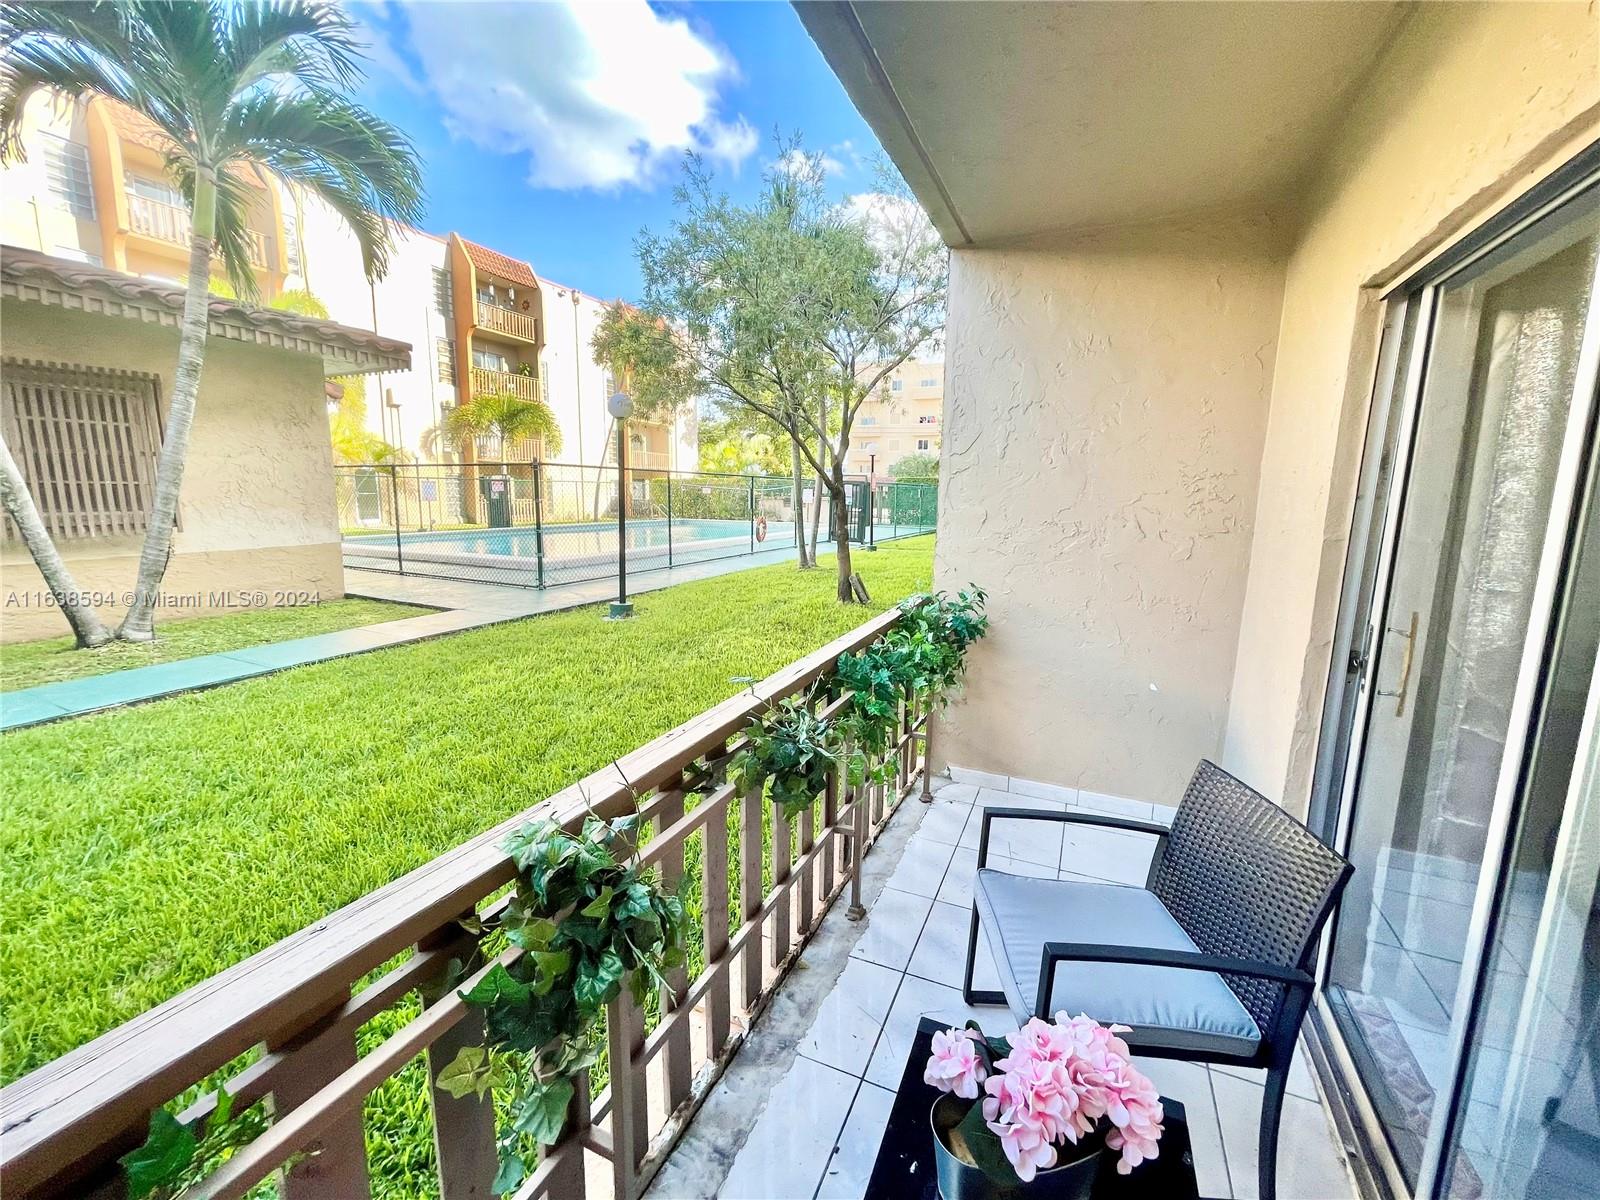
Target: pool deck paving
462	606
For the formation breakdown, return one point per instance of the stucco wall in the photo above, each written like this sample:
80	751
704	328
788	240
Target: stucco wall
257	507
1467	108
1105	405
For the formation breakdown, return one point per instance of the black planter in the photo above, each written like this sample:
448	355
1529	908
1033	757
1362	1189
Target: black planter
1067	1180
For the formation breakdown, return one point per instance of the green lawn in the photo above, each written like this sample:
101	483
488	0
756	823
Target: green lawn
147	848
55	659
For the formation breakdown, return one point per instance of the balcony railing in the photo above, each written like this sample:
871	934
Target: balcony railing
488	382
297	1000
508	321
170	223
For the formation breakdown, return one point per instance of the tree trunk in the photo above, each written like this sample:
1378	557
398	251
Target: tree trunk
841	530
797	504
822	457
24	514
138	625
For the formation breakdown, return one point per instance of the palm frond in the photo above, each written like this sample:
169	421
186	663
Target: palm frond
79	50
311	41
365	168
232	228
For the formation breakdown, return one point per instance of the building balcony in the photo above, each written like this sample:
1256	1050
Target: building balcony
655	460
169	223
508	322
489	382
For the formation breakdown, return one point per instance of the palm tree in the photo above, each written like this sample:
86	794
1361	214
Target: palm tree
228	84
504	417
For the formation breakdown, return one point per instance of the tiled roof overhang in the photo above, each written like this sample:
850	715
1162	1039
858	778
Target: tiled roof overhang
495	263
37	278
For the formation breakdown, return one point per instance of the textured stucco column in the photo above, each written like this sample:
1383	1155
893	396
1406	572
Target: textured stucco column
1106	401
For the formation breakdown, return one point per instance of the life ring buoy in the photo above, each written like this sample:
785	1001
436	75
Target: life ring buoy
761	529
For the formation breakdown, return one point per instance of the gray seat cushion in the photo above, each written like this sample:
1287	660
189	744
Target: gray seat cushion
1166	1006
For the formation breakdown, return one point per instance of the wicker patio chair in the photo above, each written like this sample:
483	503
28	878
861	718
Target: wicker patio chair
1208	962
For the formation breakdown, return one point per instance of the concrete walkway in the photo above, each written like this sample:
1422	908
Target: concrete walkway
463	606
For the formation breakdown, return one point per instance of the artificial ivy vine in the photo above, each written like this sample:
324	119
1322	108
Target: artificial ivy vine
792	750
588	920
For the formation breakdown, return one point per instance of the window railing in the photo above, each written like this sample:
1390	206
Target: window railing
297	1003
509	321
170	223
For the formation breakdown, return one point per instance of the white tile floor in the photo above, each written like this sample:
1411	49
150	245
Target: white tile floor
819	1133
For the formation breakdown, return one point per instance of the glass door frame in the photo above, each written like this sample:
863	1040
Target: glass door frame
1400	372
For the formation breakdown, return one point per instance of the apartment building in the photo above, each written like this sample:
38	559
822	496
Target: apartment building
93	189
900	418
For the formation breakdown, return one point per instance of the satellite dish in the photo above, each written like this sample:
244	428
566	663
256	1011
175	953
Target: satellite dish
620	406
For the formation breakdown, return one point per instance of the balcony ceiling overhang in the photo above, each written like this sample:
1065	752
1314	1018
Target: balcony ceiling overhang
1010	119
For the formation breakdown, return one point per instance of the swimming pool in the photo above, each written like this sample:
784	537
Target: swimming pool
560	541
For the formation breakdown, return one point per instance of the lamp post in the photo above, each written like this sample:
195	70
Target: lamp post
872	484
620	406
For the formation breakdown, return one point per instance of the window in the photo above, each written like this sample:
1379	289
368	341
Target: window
897	385
490	360
544	380
446	351
608	386
443	301
928	420
291	239
929	382
869	420
158	190
923	444
85	440
66	175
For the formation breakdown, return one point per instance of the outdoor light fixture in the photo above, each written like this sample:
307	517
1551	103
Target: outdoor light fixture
620	406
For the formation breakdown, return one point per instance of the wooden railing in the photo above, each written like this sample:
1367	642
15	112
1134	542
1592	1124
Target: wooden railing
170	223
509	321
489	382
297	1006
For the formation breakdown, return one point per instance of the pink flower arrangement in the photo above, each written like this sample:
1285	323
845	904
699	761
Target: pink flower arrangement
1047	1084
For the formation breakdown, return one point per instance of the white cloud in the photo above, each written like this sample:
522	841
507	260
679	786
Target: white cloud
795	160
595	94
891	221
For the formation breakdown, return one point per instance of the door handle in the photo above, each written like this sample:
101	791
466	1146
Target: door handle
1399	694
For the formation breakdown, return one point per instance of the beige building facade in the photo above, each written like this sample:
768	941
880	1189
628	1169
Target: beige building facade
1273	369
89	356
901	417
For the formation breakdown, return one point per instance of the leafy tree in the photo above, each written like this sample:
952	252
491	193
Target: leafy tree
915	468
504	417
794	308
225	83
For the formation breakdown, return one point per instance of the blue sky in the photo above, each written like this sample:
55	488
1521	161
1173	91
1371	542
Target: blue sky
554	132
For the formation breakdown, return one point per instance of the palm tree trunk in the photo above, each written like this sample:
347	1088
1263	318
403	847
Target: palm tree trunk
139	623
24	514
797	504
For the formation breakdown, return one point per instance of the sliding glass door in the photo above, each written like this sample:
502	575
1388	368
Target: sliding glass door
1474	658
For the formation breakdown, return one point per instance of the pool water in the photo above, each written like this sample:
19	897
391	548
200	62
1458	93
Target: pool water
561	541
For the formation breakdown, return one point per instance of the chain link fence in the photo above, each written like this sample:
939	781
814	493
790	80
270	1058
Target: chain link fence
534	524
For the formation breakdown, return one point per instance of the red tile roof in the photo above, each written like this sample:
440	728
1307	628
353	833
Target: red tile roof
498	264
